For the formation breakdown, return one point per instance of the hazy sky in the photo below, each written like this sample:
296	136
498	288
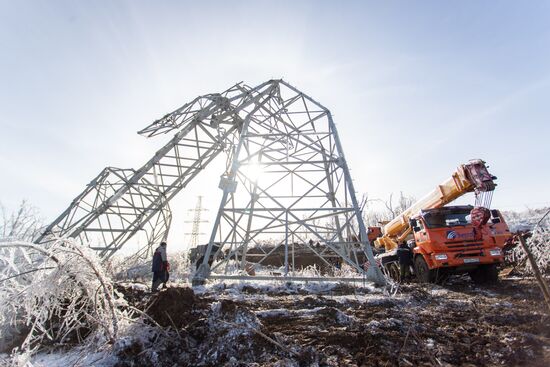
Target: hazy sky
416	87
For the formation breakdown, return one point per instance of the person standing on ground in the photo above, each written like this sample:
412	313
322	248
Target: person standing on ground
160	267
404	255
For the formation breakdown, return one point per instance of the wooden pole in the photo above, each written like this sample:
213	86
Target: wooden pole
542	283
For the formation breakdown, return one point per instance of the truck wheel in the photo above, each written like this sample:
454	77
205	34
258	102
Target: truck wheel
423	272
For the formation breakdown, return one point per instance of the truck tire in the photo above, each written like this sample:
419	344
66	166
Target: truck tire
484	274
422	271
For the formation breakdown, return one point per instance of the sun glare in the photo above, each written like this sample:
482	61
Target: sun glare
253	171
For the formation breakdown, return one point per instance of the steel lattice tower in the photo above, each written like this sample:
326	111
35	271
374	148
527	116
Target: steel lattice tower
196	223
286	181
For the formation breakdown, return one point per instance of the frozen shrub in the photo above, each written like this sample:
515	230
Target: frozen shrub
22	224
539	245
54	295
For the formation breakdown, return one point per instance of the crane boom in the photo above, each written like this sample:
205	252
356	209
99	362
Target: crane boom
472	176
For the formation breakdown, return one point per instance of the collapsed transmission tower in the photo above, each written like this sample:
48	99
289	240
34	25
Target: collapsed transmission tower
286	182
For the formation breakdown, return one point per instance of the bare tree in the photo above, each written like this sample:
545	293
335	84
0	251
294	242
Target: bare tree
22	224
374	217
54	294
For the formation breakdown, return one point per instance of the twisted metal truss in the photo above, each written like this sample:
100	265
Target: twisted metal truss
111	210
120	203
287	182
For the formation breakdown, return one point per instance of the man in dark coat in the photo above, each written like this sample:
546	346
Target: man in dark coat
404	255
159	267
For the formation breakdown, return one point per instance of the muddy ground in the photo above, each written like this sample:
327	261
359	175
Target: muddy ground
458	324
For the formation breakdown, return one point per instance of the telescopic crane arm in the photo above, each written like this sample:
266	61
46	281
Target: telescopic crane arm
472	176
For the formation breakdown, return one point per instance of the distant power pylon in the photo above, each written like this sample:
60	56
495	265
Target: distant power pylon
196	223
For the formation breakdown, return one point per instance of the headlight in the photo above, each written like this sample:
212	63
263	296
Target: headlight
441	257
495	252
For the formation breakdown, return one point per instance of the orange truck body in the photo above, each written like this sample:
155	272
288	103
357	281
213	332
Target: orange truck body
462	247
373	233
452	239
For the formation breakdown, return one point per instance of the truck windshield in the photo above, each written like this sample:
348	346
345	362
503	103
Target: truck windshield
447	219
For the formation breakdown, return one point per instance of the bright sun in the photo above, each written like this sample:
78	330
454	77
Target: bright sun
253	171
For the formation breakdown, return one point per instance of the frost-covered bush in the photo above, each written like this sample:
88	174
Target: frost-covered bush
124	269
525	220
22	224
538	244
54	295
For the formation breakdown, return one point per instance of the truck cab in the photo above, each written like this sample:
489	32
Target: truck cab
447	242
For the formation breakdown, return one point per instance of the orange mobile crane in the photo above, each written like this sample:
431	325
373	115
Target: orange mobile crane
450	239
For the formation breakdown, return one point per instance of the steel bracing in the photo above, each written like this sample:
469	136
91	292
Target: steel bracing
286	185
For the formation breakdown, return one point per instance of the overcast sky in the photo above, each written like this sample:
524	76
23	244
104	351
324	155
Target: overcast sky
416	87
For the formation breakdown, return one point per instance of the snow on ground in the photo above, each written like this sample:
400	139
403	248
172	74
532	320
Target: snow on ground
340	324
73	358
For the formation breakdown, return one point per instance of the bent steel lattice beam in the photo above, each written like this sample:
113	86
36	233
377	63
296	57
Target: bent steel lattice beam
287	182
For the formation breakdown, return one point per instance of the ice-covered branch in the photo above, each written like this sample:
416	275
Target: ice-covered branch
54	295
539	245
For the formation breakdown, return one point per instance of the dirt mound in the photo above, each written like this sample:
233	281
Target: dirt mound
233	334
135	296
202	333
460	324
175	307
